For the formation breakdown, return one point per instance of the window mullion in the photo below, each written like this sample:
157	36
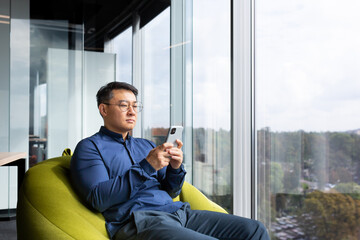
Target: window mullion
137	69
242	108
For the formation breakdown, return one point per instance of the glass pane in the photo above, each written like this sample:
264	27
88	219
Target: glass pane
5	75
212	171
121	45
156	77
56	61
60	69
99	69
307	118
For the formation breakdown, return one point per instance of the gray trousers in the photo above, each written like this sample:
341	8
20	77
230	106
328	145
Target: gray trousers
190	224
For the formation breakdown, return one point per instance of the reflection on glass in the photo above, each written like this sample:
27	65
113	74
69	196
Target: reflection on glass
307	122
156	77
212	171
64	81
121	45
46	38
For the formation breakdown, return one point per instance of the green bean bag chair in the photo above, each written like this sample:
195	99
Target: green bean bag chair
48	207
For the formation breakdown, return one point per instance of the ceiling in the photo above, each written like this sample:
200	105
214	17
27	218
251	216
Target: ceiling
100	17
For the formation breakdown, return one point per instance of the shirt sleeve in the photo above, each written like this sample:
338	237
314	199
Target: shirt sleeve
91	179
173	180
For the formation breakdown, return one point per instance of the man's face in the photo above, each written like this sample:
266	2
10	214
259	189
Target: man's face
115	119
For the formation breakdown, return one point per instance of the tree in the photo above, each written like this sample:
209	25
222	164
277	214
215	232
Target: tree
343	175
330	216
276	178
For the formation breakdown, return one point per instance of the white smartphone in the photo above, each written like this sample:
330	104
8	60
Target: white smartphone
175	132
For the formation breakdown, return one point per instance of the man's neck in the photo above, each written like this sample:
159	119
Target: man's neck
123	134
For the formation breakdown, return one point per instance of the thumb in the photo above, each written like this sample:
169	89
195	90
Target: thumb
179	143
165	146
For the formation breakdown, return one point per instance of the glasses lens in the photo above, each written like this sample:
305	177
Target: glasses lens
124	106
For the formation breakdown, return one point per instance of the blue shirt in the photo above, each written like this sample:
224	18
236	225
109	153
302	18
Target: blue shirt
113	176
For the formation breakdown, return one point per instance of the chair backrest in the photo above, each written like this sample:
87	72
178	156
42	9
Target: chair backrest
48	207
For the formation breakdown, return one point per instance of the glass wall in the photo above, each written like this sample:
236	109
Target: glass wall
212	163
49	69
14	94
5	74
182	72
69	61
56	72
72	61
156	77
307	118
61	69
121	45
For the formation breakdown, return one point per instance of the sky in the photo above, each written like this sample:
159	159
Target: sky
211	64
307	59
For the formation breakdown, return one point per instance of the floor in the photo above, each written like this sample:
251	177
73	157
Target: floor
8	230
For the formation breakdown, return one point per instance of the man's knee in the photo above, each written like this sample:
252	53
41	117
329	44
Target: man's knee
261	226
259	230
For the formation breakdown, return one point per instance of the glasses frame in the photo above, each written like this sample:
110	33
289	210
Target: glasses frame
138	108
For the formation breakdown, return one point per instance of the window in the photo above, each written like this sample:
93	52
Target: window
307	118
156	77
121	45
212	166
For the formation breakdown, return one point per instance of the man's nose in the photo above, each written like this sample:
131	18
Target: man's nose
131	110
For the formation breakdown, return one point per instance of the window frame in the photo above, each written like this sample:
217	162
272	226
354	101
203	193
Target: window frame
243	137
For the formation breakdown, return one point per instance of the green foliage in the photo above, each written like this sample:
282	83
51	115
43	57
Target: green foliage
277	177
305	186
330	216
295	164
322	157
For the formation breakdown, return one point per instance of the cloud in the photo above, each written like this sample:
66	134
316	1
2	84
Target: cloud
307	59
211	65
156	75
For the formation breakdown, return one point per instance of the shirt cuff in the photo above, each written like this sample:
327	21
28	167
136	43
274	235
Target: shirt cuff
147	167
176	171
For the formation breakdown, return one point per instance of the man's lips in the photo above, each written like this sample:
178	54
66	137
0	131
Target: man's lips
130	120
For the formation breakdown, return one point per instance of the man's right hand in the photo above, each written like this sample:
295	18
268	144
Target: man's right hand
158	157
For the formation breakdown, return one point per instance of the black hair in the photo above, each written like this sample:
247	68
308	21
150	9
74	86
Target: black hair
105	92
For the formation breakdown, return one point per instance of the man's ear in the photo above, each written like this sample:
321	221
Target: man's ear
103	109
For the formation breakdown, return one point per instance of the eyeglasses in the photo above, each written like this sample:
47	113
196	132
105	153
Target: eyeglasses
125	106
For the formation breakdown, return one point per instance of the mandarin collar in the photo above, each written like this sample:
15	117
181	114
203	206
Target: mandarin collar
117	136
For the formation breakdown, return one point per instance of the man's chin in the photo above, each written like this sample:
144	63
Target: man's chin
130	126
